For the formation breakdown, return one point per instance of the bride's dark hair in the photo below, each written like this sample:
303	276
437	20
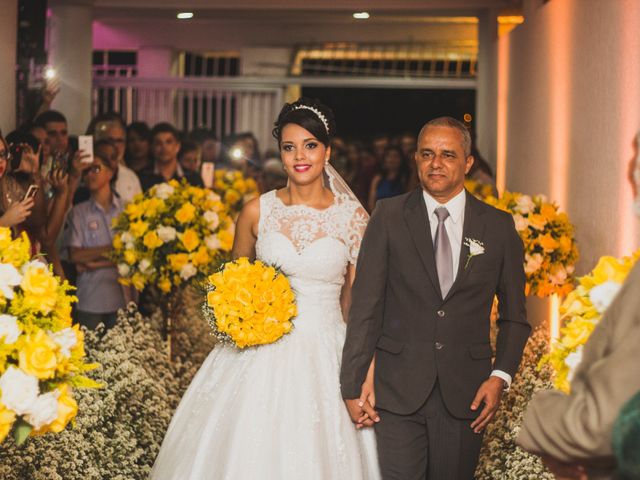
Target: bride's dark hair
312	115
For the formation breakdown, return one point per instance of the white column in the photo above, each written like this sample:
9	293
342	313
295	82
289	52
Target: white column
8	52
70	53
487	90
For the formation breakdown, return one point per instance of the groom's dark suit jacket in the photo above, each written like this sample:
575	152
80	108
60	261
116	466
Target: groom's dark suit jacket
399	314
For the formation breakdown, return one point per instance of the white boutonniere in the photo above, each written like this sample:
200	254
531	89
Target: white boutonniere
476	247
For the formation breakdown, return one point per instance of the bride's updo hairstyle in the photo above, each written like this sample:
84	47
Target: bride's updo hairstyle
312	115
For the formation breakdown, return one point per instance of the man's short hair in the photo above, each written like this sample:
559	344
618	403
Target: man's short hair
165	127
452	123
48	117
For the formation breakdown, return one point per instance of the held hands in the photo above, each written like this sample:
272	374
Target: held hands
489	393
362	410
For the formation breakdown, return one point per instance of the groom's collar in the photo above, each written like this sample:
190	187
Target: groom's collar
455	206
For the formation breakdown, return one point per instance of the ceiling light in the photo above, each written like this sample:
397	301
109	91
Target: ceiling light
184	15
361	15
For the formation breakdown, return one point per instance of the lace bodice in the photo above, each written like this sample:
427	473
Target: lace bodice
308	243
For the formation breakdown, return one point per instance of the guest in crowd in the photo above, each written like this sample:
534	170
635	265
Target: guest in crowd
138	153
379	144
368	167
274	176
165	145
189	157
98	291
626	440
16	212
241	152
54	124
340	159
573	433
393	178
127	184
209	144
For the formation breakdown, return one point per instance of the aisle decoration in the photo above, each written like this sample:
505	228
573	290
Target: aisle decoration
549	244
171	236
234	189
582	310
249	303
478	189
42	355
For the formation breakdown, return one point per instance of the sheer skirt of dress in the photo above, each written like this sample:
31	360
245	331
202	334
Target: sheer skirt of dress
275	412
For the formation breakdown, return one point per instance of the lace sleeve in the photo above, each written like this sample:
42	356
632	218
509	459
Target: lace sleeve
355	231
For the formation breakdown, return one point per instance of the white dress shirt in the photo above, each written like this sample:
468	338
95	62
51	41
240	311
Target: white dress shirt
127	184
454	225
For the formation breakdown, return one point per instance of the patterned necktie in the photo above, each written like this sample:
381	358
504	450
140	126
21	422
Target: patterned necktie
444	257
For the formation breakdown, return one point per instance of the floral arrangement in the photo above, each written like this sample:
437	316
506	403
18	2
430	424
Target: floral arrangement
41	354
249	303
478	189
582	310
234	189
500	457
171	235
549	244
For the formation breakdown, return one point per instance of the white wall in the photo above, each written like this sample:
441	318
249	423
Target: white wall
8	40
573	109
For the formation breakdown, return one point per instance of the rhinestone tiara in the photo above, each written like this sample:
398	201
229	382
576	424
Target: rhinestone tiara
318	113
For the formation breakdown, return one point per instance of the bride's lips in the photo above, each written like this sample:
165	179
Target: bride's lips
302	168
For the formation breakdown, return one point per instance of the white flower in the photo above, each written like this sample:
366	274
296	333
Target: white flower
212	242
123	269
521	222
9	329
573	360
127	237
66	340
188	271
212	196
44	410
534	262
602	295
559	275
19	390
476	247
164	191
9	278
212	219
145	266
166	234
524	205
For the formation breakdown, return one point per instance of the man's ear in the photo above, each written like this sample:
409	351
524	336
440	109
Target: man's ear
470	161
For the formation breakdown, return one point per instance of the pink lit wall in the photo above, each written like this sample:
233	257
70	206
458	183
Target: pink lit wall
569	109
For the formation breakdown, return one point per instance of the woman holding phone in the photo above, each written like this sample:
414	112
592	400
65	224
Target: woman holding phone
16	212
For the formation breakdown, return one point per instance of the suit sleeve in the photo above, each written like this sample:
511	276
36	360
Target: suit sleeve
513	327
367	305
578	427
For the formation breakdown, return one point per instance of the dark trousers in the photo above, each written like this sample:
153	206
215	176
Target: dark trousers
92	320
429	444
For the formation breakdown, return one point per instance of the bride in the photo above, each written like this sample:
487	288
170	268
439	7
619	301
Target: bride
275	411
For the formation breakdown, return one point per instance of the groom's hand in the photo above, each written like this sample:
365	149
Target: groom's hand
361	413
489	393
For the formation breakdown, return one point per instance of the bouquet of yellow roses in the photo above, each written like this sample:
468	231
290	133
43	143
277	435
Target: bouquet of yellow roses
249	303
234	189
582	310
549	244
41	353
478	189
171	235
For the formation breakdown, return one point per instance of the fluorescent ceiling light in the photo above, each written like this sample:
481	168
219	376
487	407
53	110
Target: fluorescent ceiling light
361	15
185	15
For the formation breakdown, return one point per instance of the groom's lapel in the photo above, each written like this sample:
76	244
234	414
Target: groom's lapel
417	218
473	228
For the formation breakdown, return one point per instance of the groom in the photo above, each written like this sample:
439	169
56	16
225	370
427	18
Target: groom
430	264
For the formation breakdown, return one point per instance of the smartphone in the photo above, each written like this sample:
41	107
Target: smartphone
85	143
206	172
31	192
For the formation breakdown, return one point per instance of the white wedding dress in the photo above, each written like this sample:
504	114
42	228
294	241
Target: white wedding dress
275	412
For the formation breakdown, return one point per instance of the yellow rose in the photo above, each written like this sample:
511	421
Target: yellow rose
130	257
152	207
134	210
117	242
190	240
165	285
40	288
138	228
138	281
201	257
239	185
67	410
177	261
151	240
226	240
186	213
548	211
548	243
38	356
537	221
7	417
231	197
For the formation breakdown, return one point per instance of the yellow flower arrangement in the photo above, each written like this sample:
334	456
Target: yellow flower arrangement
478	189
581	311
549	244
249	303
172	235
234	189
41	354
